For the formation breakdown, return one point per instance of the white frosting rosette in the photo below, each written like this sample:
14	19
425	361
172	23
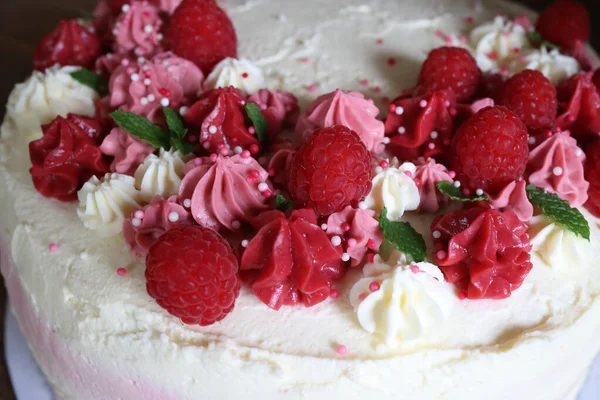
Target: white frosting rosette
44	96
160	175
402	302
104	204
241	74
394	189
554	65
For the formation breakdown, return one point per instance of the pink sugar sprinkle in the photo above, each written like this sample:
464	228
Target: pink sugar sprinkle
198	161
121	271
414	269
345	227
462	295
362	296
439	33
334	293
52	247
245	75
305	60
342	350
377	89
139	214
517	50
392	108
267	193
254	149
423	103
384	164
469	20
224	151
417	182
312	87
453	112
463	39
252	130
379	42
374	286
364	82
408	173
245	154
255	173
352	242
371	244
213	157
249	179
452	174
441	255
449	40
493	55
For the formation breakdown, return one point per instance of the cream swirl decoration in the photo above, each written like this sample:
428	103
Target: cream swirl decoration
394	189
44	96
498	43
554	65
104	204
241	74
558	247
402	302
160	175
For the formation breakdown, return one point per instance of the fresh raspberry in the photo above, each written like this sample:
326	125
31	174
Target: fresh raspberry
592	175
451	68
532	97
490	150
193	274
564	23
201	32
69	44
331	170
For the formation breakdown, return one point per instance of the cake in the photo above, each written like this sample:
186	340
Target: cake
458	265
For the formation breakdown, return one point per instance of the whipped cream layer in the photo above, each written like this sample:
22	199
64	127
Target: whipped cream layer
537	344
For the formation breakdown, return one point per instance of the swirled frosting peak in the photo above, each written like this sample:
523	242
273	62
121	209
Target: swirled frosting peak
350	109
280	109
513	198
137	31
402	302
241	74
427	175
556	165
104	204
552	63
160	175
395	189
225	192
128	151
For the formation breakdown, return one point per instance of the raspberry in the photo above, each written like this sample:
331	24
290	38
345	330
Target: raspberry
202	32
451	68
592	175
490	150
69	44
193	274
532	97
564	23
331	171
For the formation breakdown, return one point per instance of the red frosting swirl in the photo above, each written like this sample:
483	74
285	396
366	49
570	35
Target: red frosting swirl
280	109
294	259
484	252
66	157
281	163
222	119
579	106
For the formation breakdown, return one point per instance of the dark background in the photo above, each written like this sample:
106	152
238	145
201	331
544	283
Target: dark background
24	22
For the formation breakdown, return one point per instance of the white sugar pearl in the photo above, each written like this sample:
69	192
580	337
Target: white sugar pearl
262	187
187	203
135	77
183	110
378	170
244	243
345	257
144	101
399	110
125	8
479	192
456	184
385	140
83	255
136	222
578	152
148	29
147	81
436	234
558	171
531	140
165	102
434	135
362	205
237	150
160	36
336	240
212	129
402	130
173	217
151	98
324	227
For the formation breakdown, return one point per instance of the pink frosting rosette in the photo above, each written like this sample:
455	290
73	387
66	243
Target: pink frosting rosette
106	64
145	226
137	31
225	191
350	109
169	6
428	174
556	165
128	151
144	88
280	109
360	230
513	198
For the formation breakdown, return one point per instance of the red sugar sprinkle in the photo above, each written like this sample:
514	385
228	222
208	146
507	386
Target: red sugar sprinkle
462	296
213	157
391	61
255	173
377	89
493	55
364	82
342	350
121	271
267	193
469	20
245	75
224	151
245	154
362	296
408	173
379	42
272	172
164	92
414	269
345	227
517	50
384	164
439	33
334	294
254	149
374	286
312	87
52	247
371	244
466	191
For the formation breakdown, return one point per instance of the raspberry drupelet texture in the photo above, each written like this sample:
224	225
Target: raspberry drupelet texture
490	150
331	171
451	68
565	23
193	274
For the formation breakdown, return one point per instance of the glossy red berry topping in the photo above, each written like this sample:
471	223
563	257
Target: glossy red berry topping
193	274
451	68
484	252
294	259
490	150
331	171
66	157
564	23
532	97
201	32
592	175
69	44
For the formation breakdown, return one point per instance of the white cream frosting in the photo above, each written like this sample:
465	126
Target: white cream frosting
395	190
409	300
241	74
160	175
45	95
104	204
554	65
494	43
557	246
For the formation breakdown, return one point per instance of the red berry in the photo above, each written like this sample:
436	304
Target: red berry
201	32
69	44
564	23
193	274
532	97
592	175
331	171
490	150
451	68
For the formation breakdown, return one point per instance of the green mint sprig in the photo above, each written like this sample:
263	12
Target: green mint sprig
454	193
258	120
536	39
283	204
404	237
92	80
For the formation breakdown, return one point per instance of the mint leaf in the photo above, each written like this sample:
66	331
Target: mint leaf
282	204
560	211
258	120
142	129
454	193
183	147
92	80
175	123
537	40
85	14
404	237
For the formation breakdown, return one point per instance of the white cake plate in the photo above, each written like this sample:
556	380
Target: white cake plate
29	383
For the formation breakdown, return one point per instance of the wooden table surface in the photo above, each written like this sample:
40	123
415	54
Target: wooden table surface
23	23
